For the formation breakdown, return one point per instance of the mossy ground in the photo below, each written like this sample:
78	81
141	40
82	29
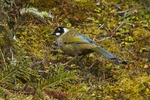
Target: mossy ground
32	67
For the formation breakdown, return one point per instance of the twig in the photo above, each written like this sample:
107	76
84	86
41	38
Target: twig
12	54
4	61
56	66
86	24
70	60
149	58
130	52
120	25
39	62
123	24
91	65
101	26
122	12
106	38
128	14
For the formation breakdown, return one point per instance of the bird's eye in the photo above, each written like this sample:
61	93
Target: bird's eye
58	29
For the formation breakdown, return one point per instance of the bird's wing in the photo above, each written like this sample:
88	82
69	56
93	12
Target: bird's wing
75	37
88	39
80	39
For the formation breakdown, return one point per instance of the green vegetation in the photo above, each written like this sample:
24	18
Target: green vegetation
32	67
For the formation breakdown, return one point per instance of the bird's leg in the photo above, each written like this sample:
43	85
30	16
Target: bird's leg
82	57
79	61
70	60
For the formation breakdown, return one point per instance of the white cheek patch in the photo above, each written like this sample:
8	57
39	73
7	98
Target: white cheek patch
66	30
57	34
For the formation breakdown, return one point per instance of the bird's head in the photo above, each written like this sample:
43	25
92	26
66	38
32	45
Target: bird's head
59	31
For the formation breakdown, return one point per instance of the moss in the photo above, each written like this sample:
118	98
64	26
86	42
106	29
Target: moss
39	71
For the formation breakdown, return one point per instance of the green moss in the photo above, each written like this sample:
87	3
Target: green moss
39	64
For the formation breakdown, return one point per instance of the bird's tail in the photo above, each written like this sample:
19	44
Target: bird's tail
105	53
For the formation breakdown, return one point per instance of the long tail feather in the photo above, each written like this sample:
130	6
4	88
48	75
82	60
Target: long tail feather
105	53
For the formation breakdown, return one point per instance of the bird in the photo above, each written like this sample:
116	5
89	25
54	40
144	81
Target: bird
74	43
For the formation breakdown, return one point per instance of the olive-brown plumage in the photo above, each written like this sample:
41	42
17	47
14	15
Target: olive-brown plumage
73	43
